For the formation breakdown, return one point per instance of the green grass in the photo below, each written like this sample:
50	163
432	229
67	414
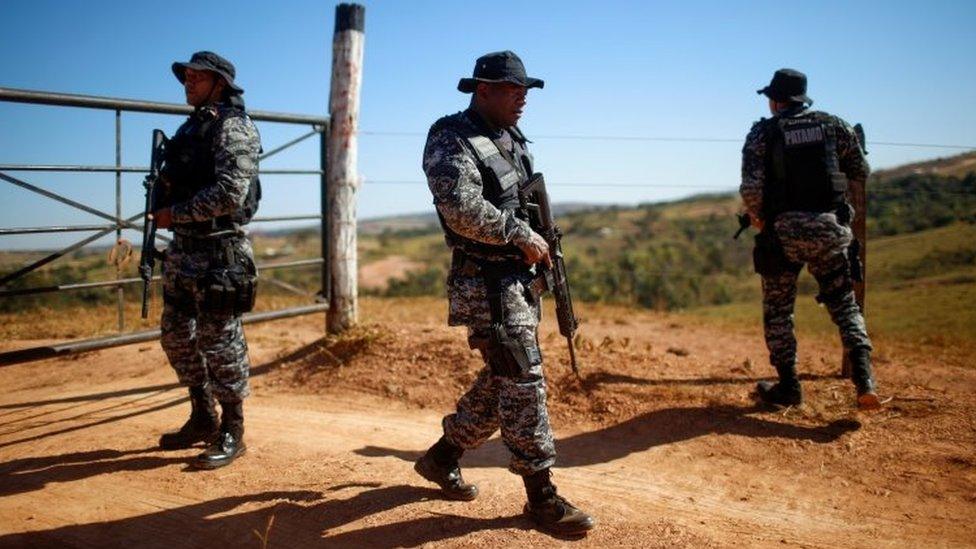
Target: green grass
925	312
921	286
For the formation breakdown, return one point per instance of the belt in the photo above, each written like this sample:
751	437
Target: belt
212	245
487	268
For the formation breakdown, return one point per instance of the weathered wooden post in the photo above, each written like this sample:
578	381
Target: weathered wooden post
858	197
341	176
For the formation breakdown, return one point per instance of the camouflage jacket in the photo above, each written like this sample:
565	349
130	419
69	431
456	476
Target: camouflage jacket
456	184
852	161
454	179
236	146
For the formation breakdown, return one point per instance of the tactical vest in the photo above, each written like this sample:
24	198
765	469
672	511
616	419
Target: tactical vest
190	167
802	169
502	172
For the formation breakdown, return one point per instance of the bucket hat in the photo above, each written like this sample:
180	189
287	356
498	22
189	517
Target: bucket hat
208	61
499	66
787	86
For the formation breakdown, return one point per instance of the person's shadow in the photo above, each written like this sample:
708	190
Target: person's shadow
213	524
34	473
646	431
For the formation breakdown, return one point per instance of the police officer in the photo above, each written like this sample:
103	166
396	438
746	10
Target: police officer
210	176
475	161
796	168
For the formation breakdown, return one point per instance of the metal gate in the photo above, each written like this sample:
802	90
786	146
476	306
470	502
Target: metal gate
319	125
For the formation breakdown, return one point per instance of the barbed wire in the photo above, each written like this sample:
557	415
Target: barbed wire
715	188
672	139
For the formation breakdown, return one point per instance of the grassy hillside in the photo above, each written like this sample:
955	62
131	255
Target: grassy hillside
666	256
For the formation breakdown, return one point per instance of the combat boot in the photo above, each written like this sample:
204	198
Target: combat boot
550	511
786	392
229	444
863	378
202	425
440	466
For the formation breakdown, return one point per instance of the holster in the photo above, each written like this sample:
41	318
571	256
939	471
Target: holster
505	356
768	258
230	284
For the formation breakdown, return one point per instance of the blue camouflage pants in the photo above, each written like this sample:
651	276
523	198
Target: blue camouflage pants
202	346
516	403
818	241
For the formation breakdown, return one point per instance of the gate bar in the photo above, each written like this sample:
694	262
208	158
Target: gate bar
15	95
78	346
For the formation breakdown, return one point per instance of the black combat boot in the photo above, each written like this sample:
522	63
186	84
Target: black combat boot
786	392
202	425
229	444
440	466
550	511
863	378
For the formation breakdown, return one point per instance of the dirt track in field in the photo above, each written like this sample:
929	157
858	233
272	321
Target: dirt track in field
661	442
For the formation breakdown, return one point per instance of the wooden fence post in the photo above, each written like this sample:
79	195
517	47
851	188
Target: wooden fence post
858	198
342	177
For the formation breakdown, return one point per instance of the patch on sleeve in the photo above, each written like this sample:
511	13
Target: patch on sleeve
442	185
245	163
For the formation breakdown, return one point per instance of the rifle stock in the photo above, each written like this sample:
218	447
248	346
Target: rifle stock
535	199
147	260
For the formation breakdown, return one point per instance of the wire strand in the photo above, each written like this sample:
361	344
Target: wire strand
673	139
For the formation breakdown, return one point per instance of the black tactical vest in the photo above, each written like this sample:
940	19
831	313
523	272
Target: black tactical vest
502	172
802	169
190	166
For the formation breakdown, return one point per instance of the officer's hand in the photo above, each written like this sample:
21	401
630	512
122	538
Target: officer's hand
757	222
164	218
536	250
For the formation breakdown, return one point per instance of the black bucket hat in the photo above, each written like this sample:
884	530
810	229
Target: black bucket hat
499	66
787	86
208	61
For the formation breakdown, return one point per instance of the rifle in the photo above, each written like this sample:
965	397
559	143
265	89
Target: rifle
854	250
147	262
859	131
535	200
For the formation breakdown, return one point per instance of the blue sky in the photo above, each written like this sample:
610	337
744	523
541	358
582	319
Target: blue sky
641	69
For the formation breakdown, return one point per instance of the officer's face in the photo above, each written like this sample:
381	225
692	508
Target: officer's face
502	102
201	87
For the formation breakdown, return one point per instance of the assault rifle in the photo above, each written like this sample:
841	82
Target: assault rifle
147	261
859	131
854	250
535	200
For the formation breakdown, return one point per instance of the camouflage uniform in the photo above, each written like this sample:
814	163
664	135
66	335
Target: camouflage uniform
205	346
515	403
813	238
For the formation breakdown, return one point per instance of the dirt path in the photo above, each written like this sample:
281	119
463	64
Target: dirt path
664	448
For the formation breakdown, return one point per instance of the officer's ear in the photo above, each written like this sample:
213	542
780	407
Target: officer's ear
483	90
220	86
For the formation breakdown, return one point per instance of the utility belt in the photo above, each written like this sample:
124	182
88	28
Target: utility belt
471	265
229	285
215	245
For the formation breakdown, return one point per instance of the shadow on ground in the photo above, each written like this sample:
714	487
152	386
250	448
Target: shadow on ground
301	519
646	431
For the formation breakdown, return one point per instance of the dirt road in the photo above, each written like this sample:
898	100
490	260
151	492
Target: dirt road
661	442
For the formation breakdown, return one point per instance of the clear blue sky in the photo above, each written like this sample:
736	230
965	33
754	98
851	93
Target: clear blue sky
676	69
